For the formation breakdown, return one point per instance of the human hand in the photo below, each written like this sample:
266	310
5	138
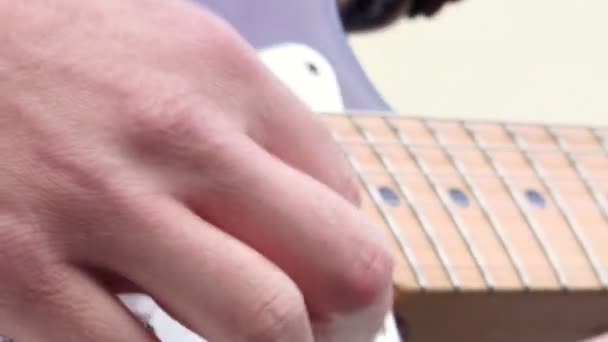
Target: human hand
144	148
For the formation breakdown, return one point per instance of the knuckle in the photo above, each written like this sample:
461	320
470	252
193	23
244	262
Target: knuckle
279	316
172	120
368	280
179	129
156	118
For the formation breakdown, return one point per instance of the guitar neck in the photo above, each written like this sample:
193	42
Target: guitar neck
475	206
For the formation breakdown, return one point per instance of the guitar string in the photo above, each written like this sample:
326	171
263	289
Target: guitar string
584	177
488	214
462	230
490	175
389	167
492	148
452	179
532	224
578	152
571	221
569	154
389	221
600	139
427	228
405	192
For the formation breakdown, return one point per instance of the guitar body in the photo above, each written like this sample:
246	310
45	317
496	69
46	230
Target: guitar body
311	23
499	230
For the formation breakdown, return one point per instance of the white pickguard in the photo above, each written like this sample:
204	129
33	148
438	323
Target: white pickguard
311	77
292	64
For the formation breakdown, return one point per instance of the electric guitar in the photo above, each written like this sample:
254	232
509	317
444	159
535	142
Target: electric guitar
499	229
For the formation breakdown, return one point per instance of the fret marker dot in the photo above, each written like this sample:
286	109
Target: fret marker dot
459	197
389	196
536	199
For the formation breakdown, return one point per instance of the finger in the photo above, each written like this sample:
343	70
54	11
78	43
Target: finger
291	132
67	305
325	244
207	280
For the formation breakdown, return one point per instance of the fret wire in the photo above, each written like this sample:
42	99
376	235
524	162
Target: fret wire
563	208
600	139
405	192
427	227
460	226
532	224
584	177
480	199
494	148
388	219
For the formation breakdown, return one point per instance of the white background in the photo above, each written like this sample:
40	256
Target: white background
540	60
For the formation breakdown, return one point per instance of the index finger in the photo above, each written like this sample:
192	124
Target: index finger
294	134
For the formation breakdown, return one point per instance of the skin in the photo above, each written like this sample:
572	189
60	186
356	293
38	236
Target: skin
143	147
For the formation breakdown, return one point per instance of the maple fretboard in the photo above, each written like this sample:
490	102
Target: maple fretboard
473	206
